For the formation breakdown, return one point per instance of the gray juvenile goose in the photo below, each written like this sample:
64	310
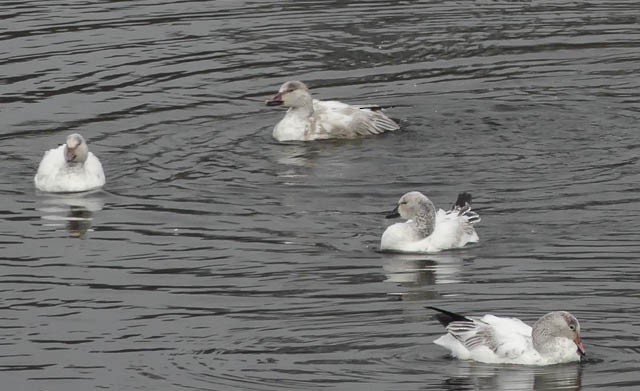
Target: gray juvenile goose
311	119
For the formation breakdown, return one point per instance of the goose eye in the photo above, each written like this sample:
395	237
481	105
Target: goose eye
572	327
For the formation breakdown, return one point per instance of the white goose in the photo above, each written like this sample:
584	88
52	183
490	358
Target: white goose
69	168
427	230
312	119
553	339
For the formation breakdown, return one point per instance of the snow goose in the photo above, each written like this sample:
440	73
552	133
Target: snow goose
312	119
553	339
69	168
427	230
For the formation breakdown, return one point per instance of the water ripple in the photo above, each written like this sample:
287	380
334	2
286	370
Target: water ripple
217	258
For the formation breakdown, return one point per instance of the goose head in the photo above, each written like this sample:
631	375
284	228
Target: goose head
556	327
410	205
75	149
419	209
291	94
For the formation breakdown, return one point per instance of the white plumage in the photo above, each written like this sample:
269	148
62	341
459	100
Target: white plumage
311	119
427	230
69	168
553	339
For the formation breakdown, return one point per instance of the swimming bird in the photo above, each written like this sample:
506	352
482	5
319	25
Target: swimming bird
427	230
553	339
312	119
69	168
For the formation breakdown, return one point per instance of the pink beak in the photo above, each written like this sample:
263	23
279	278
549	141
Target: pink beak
580	347
69	154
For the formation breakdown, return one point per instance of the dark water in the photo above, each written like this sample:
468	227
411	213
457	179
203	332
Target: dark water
218	259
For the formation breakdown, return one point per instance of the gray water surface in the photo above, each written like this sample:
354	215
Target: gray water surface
218	259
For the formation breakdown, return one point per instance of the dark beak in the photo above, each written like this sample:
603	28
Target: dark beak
275	101
394	213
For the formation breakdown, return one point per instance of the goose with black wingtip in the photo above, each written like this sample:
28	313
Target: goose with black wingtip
554	338
428	230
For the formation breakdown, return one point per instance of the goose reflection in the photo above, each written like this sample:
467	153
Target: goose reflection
421	273
74	211
567	377
298	158
294	155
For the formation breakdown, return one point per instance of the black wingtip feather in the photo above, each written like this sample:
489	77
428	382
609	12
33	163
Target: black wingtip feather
445	317
464	199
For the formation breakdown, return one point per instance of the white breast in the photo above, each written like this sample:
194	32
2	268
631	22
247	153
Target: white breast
292	127
55	175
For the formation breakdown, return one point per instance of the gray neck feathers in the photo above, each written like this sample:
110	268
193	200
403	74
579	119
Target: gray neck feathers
540	336
546	329
426	220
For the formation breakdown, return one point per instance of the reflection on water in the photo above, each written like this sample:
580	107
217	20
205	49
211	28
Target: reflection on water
476	376
420	274
183	282
74	211
294	159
